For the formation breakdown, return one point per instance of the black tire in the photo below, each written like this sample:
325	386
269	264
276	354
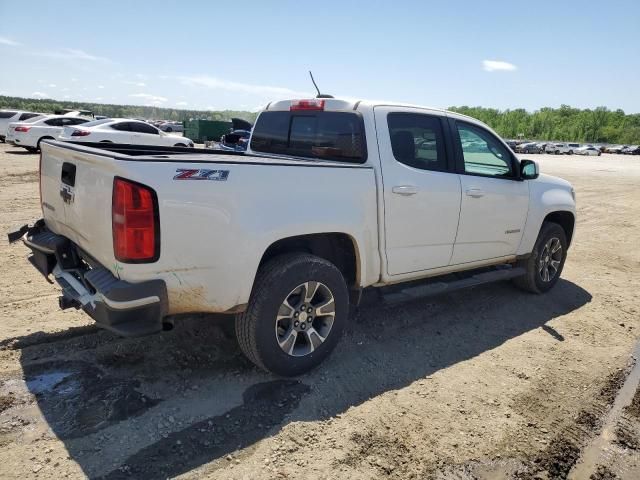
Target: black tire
169	129
105	141
179	145
570	152
532	281
31	149
256	327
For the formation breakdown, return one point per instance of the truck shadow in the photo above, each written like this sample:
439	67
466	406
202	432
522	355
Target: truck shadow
163	405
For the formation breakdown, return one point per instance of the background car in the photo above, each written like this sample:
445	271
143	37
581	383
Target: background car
615	148
588	150
556	148
572	147
122	130
10	116
29	134
171	127
628	150
530	147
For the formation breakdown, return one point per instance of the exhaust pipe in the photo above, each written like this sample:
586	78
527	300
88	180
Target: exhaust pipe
167	324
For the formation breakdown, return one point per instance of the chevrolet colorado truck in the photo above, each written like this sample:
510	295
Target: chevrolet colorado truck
331	197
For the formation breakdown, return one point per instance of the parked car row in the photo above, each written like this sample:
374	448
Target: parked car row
29	129
562	148
623	149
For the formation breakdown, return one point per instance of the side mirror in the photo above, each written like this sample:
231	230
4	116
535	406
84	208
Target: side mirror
529	170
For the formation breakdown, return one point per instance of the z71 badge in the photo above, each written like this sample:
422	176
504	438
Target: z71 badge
199	174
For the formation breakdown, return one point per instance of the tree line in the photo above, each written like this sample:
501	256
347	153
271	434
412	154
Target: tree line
121	111
600	125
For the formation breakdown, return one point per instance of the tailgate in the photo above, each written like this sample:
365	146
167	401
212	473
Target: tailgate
76	189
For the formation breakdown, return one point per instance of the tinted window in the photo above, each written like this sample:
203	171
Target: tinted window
327	135
7	114
483	153
122	126
54	122
140	127
417	140
26	116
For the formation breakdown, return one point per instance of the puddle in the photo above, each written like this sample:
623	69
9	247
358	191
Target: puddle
78	398
46	382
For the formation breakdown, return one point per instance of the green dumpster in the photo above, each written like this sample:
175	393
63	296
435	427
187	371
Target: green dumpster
201	131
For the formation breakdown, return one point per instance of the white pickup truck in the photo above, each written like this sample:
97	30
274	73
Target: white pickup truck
332	197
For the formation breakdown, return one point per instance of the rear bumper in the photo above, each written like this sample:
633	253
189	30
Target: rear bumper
128	309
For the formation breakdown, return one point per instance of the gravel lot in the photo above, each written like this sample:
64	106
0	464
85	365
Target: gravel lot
485	383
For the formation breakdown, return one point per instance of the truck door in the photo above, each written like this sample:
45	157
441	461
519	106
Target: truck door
421	190
494	201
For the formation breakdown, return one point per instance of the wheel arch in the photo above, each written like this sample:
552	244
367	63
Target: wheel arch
339	248
565	219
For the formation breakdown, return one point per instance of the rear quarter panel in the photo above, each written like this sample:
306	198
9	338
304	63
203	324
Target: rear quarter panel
214	233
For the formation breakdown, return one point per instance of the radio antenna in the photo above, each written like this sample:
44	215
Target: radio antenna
320	95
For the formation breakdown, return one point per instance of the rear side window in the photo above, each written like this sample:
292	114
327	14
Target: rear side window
27	116
417	140
317	134
54	122
122	126
140	127
7	114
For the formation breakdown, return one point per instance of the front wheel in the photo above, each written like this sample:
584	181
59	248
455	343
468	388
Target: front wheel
296	314
546	261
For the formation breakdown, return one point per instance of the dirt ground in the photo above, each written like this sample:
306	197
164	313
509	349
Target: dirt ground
484	383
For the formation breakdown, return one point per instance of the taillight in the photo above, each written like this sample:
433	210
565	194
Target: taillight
135	222
22	129
314	104
80	133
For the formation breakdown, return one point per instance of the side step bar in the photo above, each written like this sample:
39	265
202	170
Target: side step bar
437	288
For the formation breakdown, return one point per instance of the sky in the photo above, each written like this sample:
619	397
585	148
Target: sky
241	55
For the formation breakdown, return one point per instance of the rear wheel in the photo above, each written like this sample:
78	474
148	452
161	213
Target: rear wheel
296	315
546	261
31	149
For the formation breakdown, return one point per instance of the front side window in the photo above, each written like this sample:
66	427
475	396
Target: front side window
482	152
325	135
417	140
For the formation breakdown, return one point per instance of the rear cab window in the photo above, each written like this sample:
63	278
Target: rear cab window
326	135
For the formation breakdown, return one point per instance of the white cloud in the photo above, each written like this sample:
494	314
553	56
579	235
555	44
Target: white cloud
52	85
135	84
72	54
8	42
65	89
67	96
100	86
182	104
40	95
73	79
219	84
498	65
151	99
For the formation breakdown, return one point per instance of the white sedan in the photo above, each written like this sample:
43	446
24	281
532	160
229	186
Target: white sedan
587	150
29	134
121	130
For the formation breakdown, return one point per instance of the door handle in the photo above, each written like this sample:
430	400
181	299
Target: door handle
475	192
405	189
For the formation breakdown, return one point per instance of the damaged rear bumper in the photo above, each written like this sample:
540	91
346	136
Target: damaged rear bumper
128	309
